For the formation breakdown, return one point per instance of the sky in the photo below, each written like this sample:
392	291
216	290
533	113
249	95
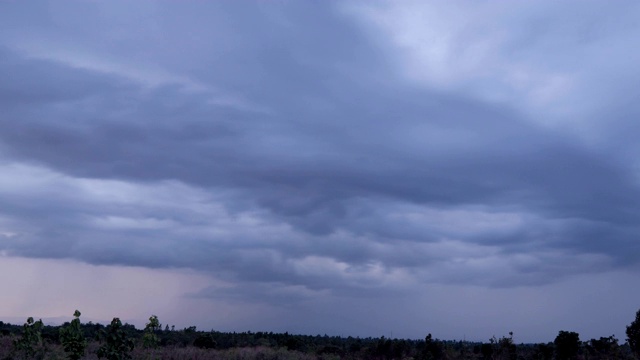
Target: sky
354	168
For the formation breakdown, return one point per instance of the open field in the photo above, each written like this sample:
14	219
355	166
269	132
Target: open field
33	340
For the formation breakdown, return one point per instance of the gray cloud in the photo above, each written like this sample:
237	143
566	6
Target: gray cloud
277	148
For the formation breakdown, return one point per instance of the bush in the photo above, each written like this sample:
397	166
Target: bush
118	345
205	341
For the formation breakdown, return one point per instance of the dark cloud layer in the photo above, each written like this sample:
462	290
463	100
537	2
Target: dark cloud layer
276	147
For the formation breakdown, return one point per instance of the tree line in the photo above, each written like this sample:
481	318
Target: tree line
117	341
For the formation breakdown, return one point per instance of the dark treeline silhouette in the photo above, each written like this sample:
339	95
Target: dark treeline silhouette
220	345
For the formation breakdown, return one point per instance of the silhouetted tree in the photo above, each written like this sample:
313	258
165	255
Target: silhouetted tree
605	347
486	350
434	350
633	335
504	348
567	345
544	352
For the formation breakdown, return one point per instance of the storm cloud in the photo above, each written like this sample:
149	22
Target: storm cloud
337	151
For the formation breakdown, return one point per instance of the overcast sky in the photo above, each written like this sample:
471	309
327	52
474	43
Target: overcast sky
353	168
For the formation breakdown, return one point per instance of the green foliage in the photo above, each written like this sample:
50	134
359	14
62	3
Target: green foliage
150	339
72	338
117	343
31	338
567	345
633	335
